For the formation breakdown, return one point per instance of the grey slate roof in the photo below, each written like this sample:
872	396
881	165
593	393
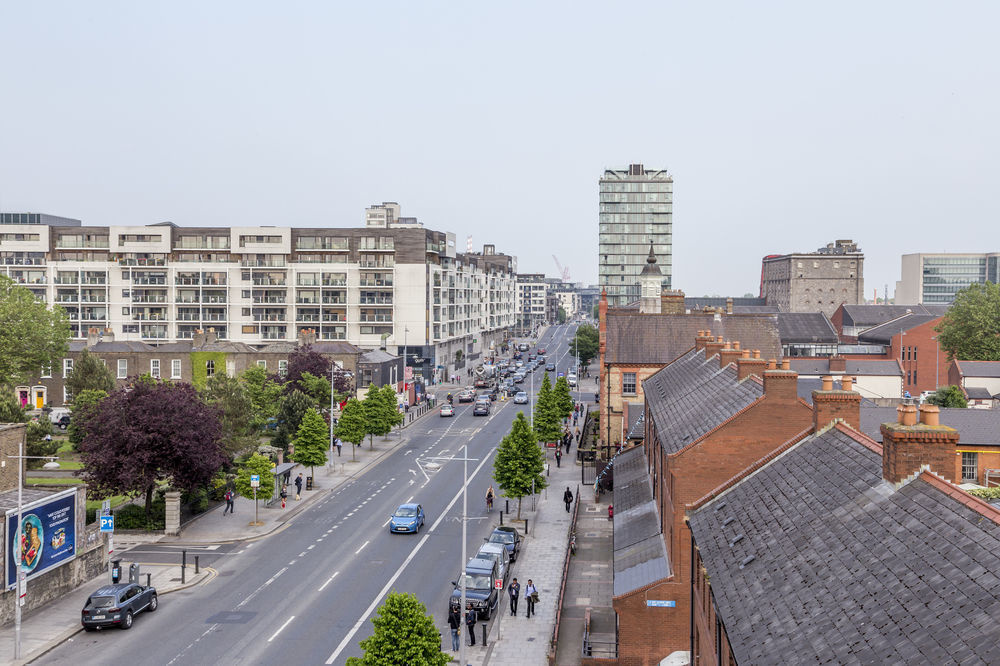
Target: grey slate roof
846	569
640	556
692	395
978	393
806	327
885	332
979	368
698	302
659	339
976	427
636	413
118	346
377	356
821	366
873	315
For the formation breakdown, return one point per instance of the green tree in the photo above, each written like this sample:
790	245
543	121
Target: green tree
595	311
546	418
404	634
317	388
32	336
84	405
36	444
89	373
377	421
311	441
293	408
519	462
10	410
389	400
561	315
971	329
948	396
255	464
351	427
264	394
584	344
561	398
230	396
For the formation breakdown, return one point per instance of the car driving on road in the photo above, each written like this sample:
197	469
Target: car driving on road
447	410
482	408
550	366
408	518
571	379
117	604
521	398
467	396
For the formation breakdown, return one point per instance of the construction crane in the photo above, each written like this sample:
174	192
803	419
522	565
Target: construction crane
563	271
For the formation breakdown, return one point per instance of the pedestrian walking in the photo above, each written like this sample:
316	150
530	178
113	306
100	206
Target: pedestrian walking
284	495
230	508
558	457
470	622
530	597
339	444
567	498
514	590
455	622
298	487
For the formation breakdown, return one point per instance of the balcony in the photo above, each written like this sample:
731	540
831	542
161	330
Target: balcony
66	244
307	301
67	298
188	281
148	298
269	282
307	317
335	301
127	261
270	317
369	319
67	280
268	299
150	281
334	317
375	301
368	282
263	263
335	283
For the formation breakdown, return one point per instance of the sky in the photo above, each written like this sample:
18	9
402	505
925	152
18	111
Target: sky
786	125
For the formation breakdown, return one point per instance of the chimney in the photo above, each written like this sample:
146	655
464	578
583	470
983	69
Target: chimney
307	336
729	306
729	354
93	337
838	365
602	324
671	301
908	445
109	335
713	347
781	385
829	404
198	339
751	366
702	339
211	336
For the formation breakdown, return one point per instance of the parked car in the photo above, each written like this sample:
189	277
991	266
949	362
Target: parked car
498	553
57	414
117	604
63	422
521	398
481	408
508	536
447	410
408	518
479	591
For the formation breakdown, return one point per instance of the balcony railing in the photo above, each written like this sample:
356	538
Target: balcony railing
125	261
335	283
270	317
375	301
268	299
269	282
375	283
375	318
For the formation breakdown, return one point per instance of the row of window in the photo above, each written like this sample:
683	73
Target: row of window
154	368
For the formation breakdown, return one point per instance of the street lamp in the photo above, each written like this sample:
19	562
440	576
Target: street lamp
22	584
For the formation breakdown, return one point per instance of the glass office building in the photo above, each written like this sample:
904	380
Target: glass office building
937	278
636	209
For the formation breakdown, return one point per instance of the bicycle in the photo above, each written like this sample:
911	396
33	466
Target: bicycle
489	502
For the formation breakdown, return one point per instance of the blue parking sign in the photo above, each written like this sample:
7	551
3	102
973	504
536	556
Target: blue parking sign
108	523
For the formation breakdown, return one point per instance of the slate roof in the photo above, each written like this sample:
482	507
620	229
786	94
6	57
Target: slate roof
979	368
847	570
377	356
873	315
821	366
692	395
978	393
699	302
885	332
640	555
659	339
976	427
118	346
805	387
806	327
636	420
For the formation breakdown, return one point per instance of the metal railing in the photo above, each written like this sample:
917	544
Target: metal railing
565	574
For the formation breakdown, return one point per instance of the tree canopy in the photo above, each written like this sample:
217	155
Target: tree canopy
83	406
584	344
519	462
255	464
561	315
311	441
971	329
32	336
948	396
147	433
378	419
264	394
303	360
88	373
36	444
392	413
351	425
404	635
229	395
547	414
317	388
561	398
293	407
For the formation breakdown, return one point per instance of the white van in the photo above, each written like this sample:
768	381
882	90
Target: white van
571	379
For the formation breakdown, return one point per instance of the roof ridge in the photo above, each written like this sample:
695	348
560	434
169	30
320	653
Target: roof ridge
860	437
942	484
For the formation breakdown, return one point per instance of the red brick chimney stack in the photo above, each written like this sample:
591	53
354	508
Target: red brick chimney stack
844	404
838	365
780	384
729	354
702	339
748	365
908	445
713	347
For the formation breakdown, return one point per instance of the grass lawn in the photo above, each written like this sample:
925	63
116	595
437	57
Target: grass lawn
65	447
117	500
45	481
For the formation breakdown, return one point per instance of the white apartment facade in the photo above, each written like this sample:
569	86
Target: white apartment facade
398	285
532	292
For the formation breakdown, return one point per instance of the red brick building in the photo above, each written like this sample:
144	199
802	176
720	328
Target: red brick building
913	341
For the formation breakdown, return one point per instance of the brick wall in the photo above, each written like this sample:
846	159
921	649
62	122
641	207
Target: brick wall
11	435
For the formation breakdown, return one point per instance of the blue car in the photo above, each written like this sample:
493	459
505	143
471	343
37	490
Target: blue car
408	518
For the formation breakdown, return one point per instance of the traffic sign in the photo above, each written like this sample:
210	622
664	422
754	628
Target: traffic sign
108	523
498	583
255	480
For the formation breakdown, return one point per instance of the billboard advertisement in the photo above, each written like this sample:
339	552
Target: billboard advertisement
48	536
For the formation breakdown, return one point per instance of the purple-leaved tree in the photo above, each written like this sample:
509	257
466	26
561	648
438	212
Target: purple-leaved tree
148	432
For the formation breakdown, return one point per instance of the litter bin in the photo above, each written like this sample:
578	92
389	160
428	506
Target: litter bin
133	572
116	571
309	483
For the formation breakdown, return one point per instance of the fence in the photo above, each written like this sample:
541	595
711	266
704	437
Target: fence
562	583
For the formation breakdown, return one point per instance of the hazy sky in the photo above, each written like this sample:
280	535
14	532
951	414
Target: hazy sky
785	125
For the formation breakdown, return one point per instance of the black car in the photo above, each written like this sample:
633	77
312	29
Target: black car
509	537
63	422
480	592
482	408
117	604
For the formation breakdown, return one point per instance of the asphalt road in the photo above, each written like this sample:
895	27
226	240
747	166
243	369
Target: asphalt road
306	593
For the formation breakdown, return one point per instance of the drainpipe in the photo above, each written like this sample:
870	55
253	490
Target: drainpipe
691	597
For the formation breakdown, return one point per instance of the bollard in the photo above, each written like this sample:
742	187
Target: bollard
149	580
507	506
484	635
196	564
501	517
525	525
184	558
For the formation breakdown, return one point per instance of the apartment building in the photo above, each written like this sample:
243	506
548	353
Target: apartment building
937	277
531	301
392	283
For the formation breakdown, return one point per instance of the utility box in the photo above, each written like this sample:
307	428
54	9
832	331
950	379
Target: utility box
133	573
309	483
116	571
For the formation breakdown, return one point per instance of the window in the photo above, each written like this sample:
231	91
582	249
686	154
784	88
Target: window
46	371
122	368
970	467
154	368
175	368
209	368
282	368
67	367
628	383
262	364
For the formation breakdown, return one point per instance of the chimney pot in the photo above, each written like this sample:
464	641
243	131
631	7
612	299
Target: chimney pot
930	415
847	383
756	353
827	383
718	338
785	364
907	415
745	353
772	364
736	344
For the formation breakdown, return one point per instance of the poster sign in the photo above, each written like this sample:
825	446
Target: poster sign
660	603
48	537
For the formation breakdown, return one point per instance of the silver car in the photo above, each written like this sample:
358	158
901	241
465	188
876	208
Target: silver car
498	553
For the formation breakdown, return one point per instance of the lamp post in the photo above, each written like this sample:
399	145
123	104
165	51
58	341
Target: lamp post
22	585
333	370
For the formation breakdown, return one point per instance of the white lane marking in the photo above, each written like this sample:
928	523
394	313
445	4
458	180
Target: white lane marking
386	522
413	472
329	580
399	572
275	634
302	553
311	547
409	500
362	547
254	593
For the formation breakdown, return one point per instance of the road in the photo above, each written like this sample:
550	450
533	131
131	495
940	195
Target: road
307	592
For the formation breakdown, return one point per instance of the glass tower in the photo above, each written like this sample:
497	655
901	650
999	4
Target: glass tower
636	209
